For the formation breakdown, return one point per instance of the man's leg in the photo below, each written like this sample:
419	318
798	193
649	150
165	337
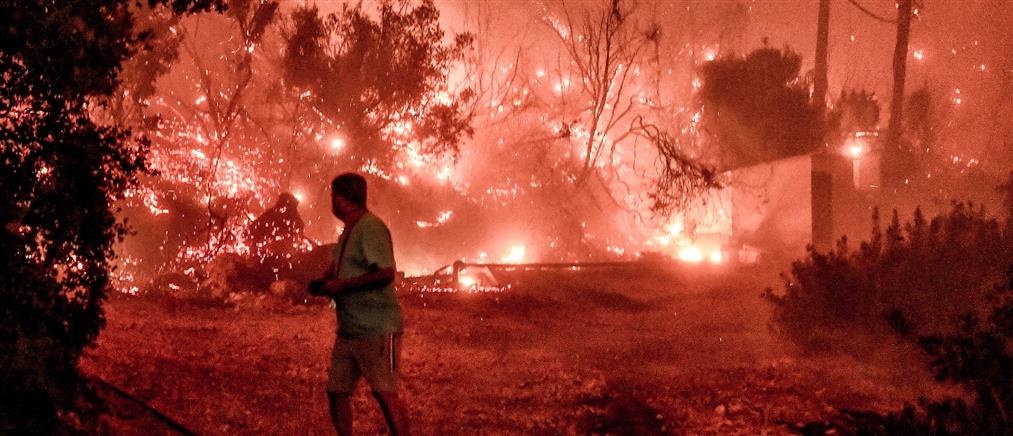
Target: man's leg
380	365
394	412
341	379
341	413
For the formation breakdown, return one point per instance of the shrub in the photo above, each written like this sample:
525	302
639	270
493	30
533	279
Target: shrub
932	283
61	171
977	357
932	272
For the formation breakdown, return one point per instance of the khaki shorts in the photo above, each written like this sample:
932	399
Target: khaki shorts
375	359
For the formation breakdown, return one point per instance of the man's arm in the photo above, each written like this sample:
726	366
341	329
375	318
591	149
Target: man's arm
375	278
378	252
316	286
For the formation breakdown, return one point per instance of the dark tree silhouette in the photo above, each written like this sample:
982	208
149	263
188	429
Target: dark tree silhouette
822	49
853	111
757	108
60	173
370	76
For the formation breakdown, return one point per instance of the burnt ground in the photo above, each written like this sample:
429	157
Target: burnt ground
615	352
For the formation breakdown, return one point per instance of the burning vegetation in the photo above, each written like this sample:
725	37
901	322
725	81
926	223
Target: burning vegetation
524	157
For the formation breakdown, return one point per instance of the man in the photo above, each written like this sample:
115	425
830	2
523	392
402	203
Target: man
361	284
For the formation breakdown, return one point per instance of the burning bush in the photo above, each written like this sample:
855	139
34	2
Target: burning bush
932	272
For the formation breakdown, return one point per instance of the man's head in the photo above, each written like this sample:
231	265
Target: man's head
348	194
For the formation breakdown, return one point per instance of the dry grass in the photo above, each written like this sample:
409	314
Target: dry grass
595	353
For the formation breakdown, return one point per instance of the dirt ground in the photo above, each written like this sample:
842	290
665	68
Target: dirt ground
602	353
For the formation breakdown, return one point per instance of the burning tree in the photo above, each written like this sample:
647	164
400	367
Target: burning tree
235	122
62	171
604	47
227	139
590	120
217	115
382	84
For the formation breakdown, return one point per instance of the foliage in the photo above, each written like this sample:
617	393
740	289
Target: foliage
682	179
926	118
209	107
377	78
853	111
933	272
978	358
756	108
152	58
975	356
945	285
922	119
61	172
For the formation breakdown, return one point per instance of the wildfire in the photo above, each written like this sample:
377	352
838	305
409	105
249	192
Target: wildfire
515	255
696	254
441	219
535	113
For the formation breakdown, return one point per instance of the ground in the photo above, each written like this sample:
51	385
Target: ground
618	352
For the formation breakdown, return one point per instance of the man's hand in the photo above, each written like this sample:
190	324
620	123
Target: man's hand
316	288
327	288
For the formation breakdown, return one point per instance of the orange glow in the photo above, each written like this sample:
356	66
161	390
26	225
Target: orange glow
691	254
467	281
710	54
696	254
337	144
516	254
856	150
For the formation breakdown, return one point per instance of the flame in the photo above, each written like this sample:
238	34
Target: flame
710	54
337	145
691	254
516	254
696	254
467	281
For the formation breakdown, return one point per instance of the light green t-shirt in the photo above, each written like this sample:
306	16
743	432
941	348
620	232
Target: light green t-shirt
373	312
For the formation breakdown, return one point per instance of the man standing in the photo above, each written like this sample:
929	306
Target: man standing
361	283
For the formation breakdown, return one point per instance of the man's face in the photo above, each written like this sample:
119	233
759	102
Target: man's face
340	206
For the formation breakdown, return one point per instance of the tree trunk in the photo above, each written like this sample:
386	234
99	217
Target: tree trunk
822	37
892	157
821	173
